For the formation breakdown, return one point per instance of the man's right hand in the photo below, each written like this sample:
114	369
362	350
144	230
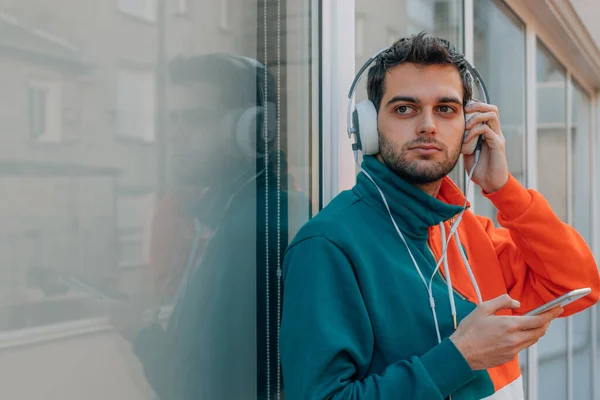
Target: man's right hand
487	340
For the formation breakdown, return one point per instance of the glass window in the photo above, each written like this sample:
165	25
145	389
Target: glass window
552	130
378	27
552	178
581	192
499	55
582	214
152	177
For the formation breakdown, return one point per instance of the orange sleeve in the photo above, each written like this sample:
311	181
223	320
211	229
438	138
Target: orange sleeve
167	246
162	226
541	256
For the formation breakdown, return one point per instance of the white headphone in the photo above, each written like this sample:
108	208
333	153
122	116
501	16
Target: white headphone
264	115
362	119
252	124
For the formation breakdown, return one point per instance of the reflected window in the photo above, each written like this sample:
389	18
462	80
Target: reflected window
44	102
136	105
552	130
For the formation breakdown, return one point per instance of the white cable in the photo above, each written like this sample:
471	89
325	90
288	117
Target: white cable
454	226
469	270
447	270
445	242
429	292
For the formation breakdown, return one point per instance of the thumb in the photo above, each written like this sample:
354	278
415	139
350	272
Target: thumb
499	303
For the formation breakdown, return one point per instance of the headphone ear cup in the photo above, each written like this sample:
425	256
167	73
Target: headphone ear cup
365	123
245	131
250	131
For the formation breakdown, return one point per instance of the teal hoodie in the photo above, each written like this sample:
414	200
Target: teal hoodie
356	320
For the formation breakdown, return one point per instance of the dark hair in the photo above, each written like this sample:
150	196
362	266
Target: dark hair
421	50
241	80
242	83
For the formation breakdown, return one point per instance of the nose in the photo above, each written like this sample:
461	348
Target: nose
427	123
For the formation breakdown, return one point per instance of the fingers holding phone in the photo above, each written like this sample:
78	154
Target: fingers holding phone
487	340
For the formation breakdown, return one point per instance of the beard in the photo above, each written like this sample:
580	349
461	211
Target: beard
422	170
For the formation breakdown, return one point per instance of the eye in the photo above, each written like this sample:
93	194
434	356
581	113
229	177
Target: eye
403	109
446	109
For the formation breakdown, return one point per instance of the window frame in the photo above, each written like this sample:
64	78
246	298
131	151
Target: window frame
147	127
52	113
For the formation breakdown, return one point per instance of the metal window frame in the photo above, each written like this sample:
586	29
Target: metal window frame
531	170
338	71
571	81
569	202
595	148
316	139
469	52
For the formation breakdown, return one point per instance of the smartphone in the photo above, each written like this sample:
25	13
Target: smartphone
469	148
561	301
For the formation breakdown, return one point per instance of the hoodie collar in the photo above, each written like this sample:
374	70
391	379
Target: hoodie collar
413	209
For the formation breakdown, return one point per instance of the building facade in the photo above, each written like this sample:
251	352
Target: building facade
100	128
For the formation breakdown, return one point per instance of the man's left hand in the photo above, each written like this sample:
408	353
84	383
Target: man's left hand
491	172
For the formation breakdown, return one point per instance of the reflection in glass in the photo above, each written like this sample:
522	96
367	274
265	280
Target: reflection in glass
157	157
552	175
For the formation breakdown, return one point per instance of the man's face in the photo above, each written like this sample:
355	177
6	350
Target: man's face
421	122
195	132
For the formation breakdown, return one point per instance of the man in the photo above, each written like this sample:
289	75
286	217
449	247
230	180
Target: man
220	341
357	319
